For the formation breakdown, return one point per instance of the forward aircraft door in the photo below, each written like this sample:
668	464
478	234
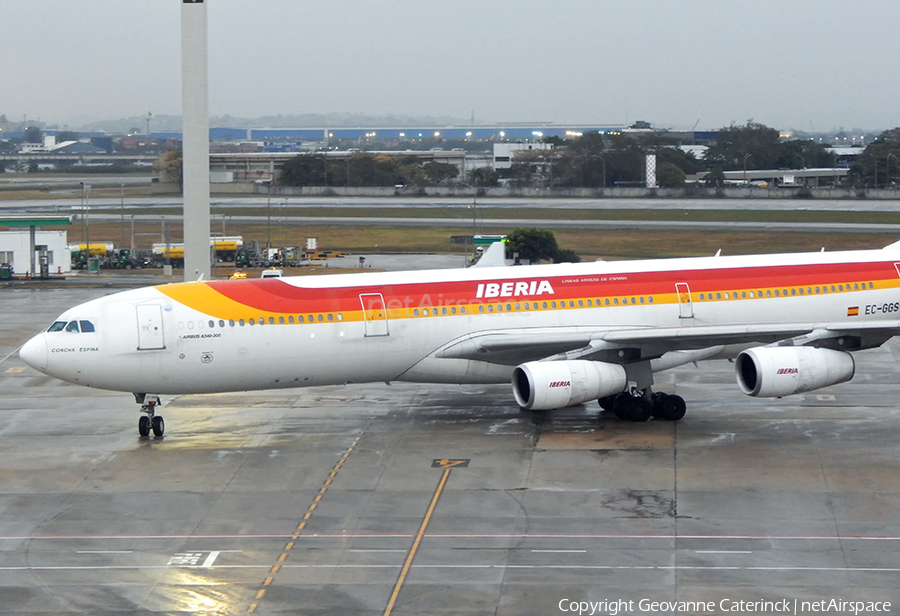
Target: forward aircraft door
374	314
685	307
150	327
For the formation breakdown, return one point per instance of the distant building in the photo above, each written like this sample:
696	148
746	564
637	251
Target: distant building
15	246
504	152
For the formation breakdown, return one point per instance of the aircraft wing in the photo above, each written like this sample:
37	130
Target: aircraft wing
622	344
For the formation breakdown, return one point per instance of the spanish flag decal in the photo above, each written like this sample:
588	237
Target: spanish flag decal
853	311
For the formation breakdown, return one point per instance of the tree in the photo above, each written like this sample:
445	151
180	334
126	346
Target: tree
566	256
33	134
304	170
170	167
532	244
878	164
733	144
438	173
669	175
483	176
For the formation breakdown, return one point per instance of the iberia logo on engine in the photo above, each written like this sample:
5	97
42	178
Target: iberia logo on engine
787	371
560	384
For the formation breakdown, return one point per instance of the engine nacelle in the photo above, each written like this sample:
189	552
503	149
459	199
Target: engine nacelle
772	372
546	385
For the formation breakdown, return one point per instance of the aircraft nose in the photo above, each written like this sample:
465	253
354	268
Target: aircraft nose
34	353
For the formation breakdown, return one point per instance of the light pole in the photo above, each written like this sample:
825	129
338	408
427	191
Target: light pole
122	210
887	168
268	217
746	156
602	162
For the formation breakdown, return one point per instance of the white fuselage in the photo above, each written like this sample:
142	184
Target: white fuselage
245	335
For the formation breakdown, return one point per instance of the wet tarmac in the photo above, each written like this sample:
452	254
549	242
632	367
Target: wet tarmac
426	499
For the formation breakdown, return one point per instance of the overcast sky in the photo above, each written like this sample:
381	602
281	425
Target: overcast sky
804	64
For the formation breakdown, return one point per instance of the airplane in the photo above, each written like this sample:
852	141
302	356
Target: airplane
561	334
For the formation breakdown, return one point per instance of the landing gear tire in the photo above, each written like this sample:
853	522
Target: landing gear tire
673	408
668	407
639	410
149	420
620	405
631	408
608	403
159	425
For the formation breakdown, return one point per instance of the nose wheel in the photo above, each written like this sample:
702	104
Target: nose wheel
150	421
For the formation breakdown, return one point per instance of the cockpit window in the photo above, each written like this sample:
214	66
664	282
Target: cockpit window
58	326
87	326
73	327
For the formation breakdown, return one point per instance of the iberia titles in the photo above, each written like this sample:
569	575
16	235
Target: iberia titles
514	289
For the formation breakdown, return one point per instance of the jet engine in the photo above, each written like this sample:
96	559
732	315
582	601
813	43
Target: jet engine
773	372
546	385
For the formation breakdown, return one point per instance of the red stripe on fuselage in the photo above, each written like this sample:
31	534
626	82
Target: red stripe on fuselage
275	295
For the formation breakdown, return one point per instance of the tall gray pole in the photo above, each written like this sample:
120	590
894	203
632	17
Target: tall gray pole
195	130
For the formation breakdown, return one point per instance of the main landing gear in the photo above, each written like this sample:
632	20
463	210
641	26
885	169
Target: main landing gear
645	405
150	420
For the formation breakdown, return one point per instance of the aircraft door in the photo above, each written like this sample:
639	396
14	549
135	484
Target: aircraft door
685	307
150	327
374	313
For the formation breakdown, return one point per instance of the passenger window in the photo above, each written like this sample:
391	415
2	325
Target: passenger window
72	327
330	317
291	319
319	318
462	309
87	326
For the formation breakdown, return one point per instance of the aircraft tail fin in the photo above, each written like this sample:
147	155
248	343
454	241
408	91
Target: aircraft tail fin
493	256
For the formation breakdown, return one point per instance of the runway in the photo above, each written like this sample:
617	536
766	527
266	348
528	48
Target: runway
426	499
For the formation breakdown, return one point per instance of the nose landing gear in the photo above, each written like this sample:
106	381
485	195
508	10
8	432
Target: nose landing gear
150	420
